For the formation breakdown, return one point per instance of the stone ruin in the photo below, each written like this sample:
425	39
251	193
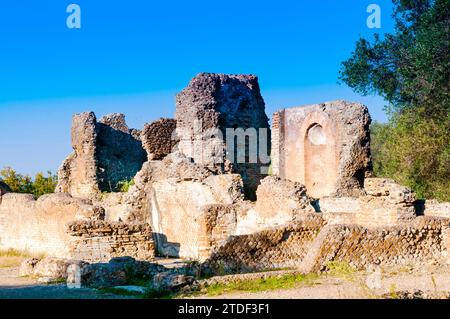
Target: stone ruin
325	146
105	153
317	203
213	103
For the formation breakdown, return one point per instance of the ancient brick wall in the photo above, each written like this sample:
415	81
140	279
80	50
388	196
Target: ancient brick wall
99	241
278	247
309	245
158	138
325	146
415	242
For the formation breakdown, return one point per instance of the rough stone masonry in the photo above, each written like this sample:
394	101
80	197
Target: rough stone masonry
213	103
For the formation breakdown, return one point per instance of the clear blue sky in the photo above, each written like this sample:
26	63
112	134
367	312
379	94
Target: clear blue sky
134	56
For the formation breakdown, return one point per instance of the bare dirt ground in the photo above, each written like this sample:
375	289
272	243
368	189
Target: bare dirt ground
14	287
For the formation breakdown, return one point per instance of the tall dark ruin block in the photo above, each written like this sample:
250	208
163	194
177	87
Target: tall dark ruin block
208	109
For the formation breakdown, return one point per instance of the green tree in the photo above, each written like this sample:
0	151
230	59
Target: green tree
410	69
25	184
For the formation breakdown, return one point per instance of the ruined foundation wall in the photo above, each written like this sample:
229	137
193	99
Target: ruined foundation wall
39	226
99	241
277	247
385	203
435	209
310	245
420	241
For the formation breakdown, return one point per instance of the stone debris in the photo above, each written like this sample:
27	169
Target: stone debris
170	281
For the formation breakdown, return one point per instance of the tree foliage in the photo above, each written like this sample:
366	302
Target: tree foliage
410	69
25	184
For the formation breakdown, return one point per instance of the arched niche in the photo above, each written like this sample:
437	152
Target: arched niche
317	144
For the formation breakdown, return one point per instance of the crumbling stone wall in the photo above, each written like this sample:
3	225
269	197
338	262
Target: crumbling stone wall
386	203
38	226
325	146
119	152
211	103
158	138
78	173
105	153
176	191
434	208
193	209
100	241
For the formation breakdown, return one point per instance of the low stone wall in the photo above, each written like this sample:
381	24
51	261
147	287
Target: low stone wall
39	226
309	245
278	247
385	204
420	241
99	241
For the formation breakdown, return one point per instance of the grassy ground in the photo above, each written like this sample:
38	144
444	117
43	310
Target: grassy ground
287	281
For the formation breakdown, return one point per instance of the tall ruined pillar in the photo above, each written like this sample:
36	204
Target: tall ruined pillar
222	124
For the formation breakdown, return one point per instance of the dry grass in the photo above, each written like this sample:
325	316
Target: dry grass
13	258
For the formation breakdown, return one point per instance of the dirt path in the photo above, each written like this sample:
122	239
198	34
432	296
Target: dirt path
429	280
14	287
